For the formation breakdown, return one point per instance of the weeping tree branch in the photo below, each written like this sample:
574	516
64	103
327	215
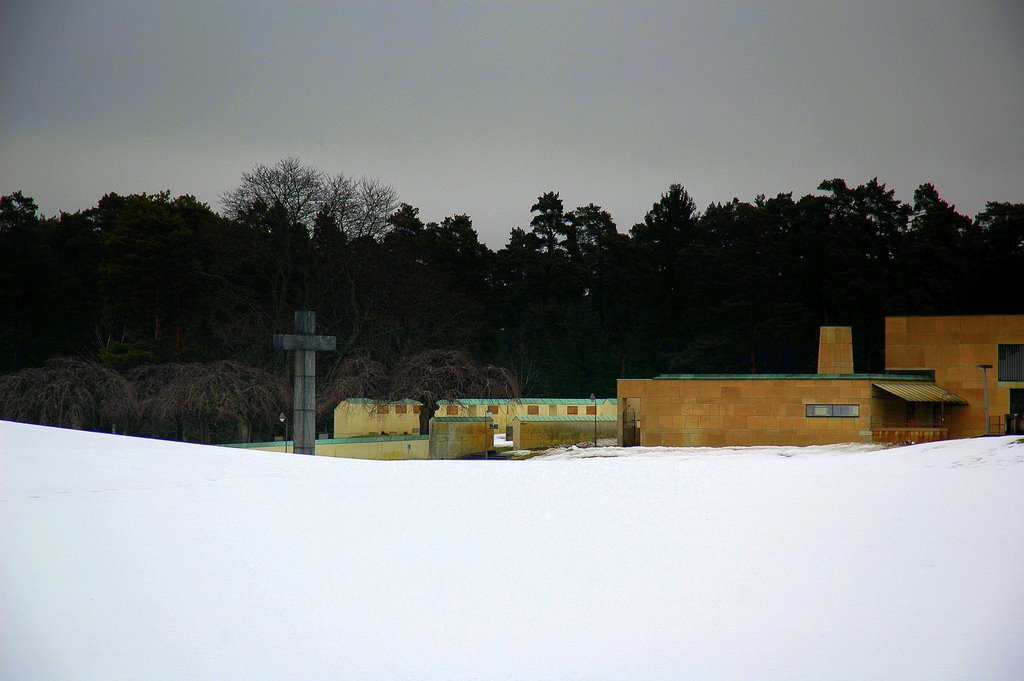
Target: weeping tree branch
428	377
69	393
204	393
354	377
435	375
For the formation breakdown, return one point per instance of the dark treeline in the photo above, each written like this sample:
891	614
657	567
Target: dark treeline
570	304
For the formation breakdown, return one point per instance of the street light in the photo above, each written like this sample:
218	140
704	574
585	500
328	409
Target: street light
487	413
593	398
284	419
984	372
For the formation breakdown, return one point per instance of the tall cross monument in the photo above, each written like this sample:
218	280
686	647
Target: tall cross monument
304	343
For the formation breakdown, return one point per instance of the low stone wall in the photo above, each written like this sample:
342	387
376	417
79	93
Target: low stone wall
453	437
381	448
536	432
915	435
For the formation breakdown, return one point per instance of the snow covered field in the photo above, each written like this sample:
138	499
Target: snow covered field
124	558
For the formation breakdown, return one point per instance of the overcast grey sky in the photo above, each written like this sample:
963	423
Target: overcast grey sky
478	108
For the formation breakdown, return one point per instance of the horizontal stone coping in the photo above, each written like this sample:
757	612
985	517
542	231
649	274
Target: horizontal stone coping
566	419
474	401
462	419
577	401
784	377
372	438
334	441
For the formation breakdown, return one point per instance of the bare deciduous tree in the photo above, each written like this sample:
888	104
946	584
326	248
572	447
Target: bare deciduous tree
427	377
69	393
435	375
297	188
354	377
358	208
524	367
202	394
375	202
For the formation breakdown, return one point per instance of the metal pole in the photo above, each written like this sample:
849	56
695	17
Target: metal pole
988	419
487	413
593	398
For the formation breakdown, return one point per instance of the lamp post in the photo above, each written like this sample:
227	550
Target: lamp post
984	373
593	398
284	419
487	413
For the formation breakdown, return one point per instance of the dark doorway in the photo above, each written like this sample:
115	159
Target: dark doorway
1017	400
1015	419
630	434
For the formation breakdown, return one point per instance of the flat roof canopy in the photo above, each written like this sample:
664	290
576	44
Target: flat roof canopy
920	392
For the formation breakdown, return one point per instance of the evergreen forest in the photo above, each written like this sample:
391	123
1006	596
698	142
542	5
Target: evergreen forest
163	302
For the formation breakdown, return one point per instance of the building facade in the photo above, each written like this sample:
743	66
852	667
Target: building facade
363	417
504	412
955	349
933	388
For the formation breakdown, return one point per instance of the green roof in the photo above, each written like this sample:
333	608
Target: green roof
476	400
789	377
569	400
566	419
463	419
370	400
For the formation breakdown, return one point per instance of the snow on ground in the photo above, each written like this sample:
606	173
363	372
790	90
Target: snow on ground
125	558
608	449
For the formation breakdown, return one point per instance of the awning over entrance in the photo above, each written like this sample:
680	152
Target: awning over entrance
920	392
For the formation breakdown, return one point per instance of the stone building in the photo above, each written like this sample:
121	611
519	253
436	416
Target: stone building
932	389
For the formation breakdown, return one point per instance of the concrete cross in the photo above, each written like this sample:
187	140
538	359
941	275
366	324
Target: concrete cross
305	344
